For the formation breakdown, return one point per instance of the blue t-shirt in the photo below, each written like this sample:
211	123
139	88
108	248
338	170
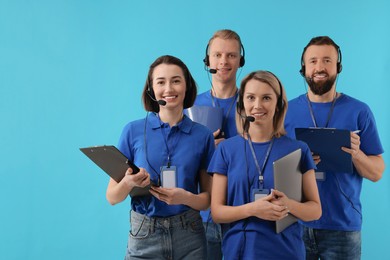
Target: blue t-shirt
254	238
228	106
339	192
191	146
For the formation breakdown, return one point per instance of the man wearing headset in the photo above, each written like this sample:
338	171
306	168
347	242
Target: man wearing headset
336	235
225	54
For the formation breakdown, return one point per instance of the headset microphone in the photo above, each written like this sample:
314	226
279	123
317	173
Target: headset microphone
211	71
247	121
160	101
249	118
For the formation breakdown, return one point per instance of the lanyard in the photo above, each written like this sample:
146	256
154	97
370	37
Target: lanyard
260	170
173	146
215	102
312	113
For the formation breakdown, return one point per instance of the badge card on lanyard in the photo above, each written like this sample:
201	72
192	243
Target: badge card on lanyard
260	192
168	173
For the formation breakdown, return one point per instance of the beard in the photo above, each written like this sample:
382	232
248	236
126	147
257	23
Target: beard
320	88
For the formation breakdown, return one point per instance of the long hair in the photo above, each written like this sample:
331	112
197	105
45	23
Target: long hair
281	107
147	93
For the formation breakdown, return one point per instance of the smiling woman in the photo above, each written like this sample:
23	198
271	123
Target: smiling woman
180	187
177	75
169	85
253	205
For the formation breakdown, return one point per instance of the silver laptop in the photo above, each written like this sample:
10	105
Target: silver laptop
288	179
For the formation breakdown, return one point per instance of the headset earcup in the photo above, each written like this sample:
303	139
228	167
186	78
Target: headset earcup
339	67
242	61
240	105
206	60
281	104
302	71
150	90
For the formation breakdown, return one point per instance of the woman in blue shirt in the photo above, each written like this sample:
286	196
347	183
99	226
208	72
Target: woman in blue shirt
243	198
167	223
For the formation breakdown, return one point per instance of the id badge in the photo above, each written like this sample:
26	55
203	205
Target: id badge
320	176
259	193
168	177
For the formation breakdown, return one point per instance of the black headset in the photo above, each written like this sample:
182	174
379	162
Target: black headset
152	96
150	93
149	89
279	103
206	60
339	60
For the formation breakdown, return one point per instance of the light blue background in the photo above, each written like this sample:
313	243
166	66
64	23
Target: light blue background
71	75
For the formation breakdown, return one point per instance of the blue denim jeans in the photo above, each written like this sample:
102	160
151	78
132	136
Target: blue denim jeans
332	244
214	240
178	237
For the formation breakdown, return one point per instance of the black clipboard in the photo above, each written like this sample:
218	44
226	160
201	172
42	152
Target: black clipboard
288	179
115	164
327	143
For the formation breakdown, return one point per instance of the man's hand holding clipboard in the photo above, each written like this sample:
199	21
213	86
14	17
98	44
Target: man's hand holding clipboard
327	143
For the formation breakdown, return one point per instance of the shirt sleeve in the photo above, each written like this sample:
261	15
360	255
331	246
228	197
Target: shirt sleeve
307	162
218	162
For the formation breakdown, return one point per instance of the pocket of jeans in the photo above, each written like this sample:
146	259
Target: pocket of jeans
196	226
140	230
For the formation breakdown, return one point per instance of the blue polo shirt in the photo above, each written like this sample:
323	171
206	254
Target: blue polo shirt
339	191
254	238
191	146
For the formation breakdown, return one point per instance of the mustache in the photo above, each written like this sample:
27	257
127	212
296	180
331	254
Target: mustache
320	73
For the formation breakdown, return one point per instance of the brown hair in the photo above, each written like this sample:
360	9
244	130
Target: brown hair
148	93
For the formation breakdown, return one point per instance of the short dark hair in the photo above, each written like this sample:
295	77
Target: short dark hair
148	93
321	40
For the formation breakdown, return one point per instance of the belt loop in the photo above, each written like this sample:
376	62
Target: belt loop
183	221
152	223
